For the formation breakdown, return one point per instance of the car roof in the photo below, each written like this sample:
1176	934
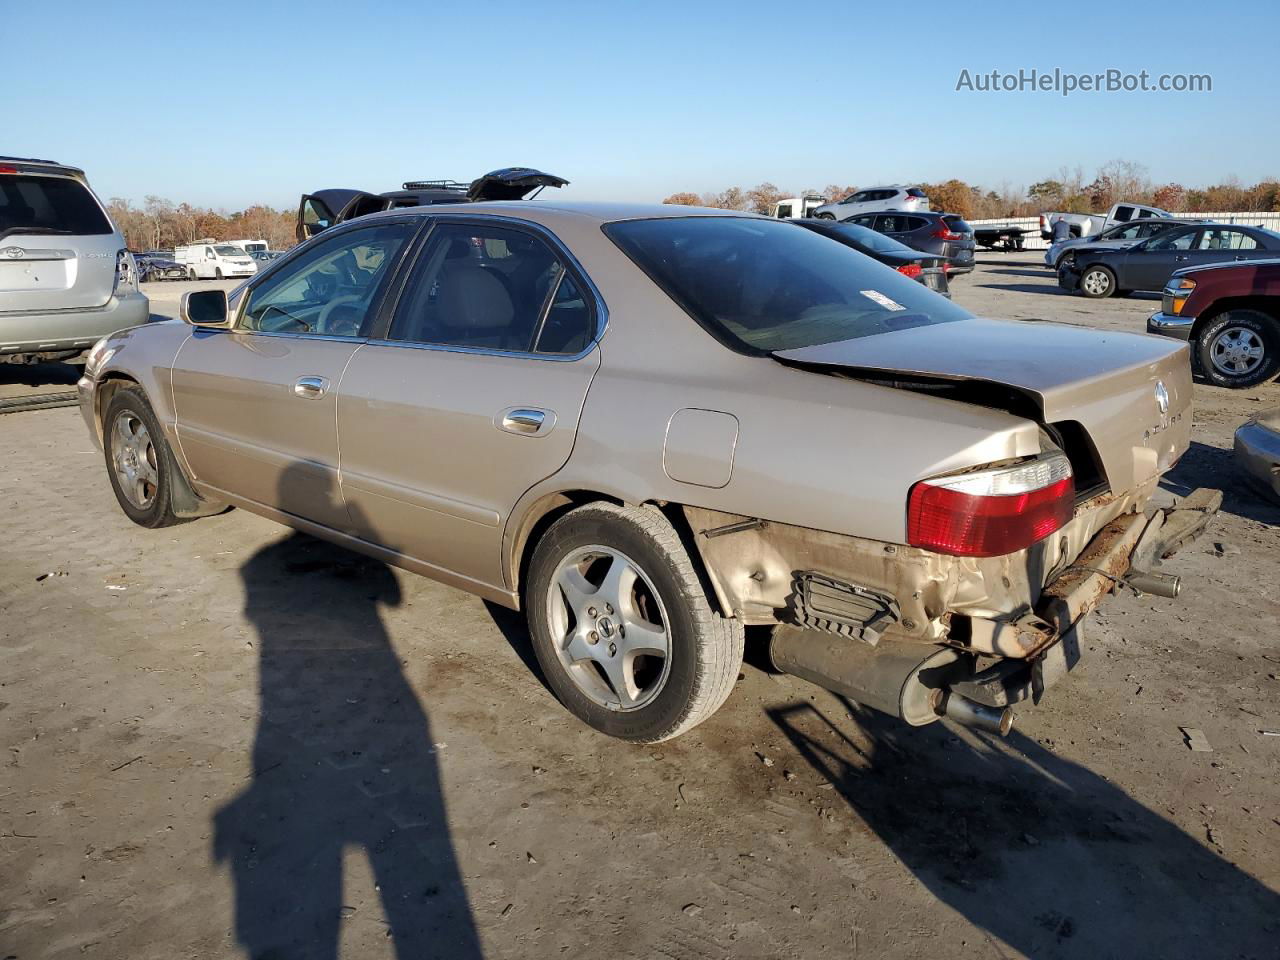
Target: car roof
546	211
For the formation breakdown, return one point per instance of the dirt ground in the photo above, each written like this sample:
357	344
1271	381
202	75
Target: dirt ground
221	738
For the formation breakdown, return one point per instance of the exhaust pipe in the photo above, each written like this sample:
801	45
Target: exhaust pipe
896	678
947	703
1155	583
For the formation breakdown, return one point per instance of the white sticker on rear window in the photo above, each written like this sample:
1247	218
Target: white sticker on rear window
881	299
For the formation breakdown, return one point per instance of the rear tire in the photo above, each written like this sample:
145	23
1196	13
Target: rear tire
139	463
191	273
1097	282
1239	349
622	625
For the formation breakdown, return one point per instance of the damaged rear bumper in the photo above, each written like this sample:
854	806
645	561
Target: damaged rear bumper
971	666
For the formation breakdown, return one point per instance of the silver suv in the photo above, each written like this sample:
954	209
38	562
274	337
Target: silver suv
66	279
895	197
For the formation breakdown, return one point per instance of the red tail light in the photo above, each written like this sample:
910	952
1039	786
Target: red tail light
990	513
911	270
942	233
8	169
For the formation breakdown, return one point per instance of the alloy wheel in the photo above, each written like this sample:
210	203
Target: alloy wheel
1237	351
133	456
610	628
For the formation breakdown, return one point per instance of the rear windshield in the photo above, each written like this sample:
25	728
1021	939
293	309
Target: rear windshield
35	204
957	225
762	285
916	192
867	237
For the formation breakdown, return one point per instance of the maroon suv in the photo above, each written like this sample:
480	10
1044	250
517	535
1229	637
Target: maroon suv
1230	314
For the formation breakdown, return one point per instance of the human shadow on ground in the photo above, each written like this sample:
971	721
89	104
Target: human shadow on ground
342	759
1038	851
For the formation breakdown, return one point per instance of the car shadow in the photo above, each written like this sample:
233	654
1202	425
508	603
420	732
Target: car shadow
515	630
1038	851
1043	273
342	760
1208	466
1053	288
40	374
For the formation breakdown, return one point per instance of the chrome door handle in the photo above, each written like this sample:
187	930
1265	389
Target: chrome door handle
1180	257
526	420
311	388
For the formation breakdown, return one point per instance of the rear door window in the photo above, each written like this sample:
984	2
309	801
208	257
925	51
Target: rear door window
492	288
1226	240
61	205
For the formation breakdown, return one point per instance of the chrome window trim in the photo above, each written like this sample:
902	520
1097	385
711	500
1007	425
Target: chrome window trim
285	334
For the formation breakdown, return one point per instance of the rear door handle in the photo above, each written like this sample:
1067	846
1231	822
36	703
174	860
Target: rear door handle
311	388
1181	256
526	421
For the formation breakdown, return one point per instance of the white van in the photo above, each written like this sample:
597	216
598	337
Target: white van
212	260
795	207
251	246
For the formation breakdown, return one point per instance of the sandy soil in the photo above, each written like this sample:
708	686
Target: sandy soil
222	740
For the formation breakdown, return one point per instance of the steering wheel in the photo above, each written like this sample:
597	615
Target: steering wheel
322	322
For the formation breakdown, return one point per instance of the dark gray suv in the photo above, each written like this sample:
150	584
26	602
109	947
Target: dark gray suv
941	234
66	279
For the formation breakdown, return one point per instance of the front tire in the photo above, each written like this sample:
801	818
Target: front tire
825	216
138	459
1239	349
622	625
217	273
1097	283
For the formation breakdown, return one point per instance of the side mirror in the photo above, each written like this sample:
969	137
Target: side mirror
204	308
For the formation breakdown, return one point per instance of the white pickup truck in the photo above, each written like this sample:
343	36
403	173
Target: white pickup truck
1088	224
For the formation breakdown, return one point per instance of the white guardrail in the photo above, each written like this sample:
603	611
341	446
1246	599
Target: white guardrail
1032	241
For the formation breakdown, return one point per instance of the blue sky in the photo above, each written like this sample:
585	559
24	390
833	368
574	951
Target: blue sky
228	104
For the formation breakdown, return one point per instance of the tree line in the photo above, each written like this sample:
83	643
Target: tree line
160	224
1068	191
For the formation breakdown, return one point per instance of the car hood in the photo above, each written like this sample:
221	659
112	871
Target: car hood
1111	384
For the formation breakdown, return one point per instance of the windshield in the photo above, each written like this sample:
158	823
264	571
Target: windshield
35	204
761	285
228	251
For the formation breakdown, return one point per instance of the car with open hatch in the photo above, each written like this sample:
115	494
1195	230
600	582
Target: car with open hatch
651	427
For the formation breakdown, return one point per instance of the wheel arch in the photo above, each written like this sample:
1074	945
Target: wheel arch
551	506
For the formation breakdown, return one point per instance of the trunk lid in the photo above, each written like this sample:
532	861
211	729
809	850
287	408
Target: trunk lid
1129	393
57	247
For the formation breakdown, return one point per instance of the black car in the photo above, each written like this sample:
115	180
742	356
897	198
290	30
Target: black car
1148	264
927	268
325	208
942	234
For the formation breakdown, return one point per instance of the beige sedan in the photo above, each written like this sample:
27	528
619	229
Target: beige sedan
652	427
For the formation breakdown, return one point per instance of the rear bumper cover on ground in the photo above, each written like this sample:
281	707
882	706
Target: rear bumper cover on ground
1257	451
1167	325
70	329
